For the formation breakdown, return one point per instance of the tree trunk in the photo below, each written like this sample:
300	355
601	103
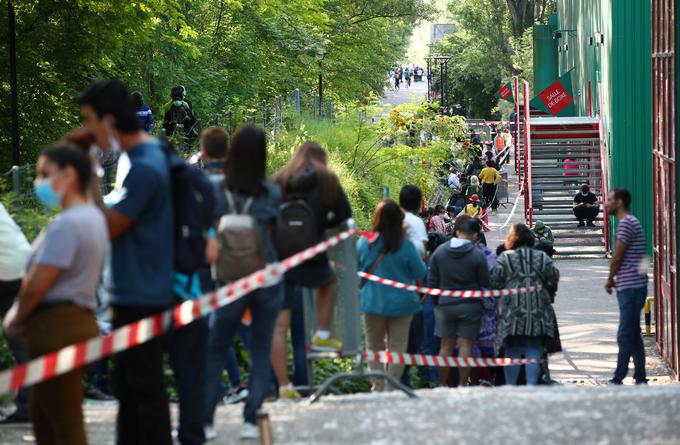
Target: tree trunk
522	14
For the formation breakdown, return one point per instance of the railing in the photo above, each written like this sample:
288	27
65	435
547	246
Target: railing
528	191
515	88
603	173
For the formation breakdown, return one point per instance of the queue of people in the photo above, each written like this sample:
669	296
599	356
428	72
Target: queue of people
159	247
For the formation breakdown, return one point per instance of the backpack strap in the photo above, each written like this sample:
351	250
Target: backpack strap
231	204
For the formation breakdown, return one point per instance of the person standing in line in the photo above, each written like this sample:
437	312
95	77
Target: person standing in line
525	321
410	200
627	273
437	222
56	303
245	191
388	311
458	265
490	178
586	207
307	178
473	189
213	143
473	209
141	230
14	251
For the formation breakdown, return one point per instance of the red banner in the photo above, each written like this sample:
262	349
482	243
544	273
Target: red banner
556	98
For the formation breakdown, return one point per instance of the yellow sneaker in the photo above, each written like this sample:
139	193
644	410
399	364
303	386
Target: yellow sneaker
326	345
288	392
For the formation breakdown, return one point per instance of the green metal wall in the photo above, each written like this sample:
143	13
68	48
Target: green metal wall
545	57
623	66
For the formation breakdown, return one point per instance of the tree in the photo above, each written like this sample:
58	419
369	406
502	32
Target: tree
525	13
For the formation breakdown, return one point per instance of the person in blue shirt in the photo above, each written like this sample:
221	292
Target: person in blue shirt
388	311
144	113
141	259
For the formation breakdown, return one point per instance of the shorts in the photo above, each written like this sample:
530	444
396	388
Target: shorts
462	320
313	273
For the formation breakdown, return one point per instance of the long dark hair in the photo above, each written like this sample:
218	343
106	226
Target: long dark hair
519	236
310	155
246	161
388	221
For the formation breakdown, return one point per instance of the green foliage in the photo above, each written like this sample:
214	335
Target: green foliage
229	54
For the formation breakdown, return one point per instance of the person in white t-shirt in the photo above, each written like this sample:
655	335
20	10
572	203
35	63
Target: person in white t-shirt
410	199
14	250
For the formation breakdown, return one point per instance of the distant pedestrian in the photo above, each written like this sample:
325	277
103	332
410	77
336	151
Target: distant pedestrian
459	265
437	221
55	307
144	112
525	321
628	275
388	311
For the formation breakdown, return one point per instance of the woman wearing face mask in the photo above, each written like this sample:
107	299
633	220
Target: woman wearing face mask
55	305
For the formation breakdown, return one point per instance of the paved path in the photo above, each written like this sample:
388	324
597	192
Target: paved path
416	93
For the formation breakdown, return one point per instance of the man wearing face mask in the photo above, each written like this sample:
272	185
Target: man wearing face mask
179	113
586	207
141	262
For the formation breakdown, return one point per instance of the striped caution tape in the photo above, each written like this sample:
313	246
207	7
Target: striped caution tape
450	293
133	334
441	361
481	124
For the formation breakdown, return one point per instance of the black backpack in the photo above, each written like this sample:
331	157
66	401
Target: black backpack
193	203
297	227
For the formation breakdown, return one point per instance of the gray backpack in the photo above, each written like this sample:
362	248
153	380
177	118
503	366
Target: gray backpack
240	240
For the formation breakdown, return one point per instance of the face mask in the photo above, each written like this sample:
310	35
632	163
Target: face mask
584	193
114	145
46	194
178	103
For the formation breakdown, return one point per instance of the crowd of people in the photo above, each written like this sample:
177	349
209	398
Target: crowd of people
406	75
170	232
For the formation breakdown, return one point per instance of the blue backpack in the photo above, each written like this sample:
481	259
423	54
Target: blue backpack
193	204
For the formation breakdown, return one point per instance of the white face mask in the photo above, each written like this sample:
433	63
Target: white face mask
114	145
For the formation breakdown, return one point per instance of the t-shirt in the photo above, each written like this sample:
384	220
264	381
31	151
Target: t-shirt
590	198
142	256
453	181
416	231
14	248
472	210
76	242
630	233
489	175
437	224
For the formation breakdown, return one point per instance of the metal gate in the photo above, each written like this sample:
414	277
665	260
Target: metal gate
664	99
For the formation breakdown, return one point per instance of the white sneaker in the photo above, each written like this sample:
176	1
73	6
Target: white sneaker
209	432
250	431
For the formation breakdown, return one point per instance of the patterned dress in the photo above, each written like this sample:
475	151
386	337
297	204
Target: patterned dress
528	313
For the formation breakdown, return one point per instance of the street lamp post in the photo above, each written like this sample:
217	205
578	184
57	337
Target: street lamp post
14	95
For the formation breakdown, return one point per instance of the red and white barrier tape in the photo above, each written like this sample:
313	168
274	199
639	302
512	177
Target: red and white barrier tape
133	334
481	124
449	293
441	361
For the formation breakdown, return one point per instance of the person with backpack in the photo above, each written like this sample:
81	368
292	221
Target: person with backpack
179	113
388	311
314	202
246	214
141	230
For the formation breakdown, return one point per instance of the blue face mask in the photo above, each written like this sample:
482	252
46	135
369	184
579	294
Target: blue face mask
178	103
46	194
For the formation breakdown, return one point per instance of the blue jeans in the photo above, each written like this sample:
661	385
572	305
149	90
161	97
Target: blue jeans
264	305
188	351
523	347
232	365
629	337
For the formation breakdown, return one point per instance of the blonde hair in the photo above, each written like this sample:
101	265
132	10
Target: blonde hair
474	180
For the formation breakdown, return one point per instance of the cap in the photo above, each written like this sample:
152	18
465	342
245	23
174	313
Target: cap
474	198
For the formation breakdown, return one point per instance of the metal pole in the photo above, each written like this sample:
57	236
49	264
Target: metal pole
297	101
441	84
320	89
16	179
14	95
427	74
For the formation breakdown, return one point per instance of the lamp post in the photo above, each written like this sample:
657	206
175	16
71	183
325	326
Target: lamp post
322	55
14	95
